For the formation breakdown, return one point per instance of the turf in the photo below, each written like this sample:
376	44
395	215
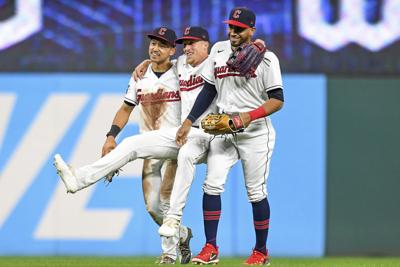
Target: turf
149	261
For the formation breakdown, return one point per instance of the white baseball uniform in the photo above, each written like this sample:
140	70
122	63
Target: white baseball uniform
159	102
254	146
195	150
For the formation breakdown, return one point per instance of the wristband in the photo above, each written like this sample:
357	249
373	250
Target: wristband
257	113
114	131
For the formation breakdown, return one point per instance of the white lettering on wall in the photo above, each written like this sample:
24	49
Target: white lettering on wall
26	21
351	27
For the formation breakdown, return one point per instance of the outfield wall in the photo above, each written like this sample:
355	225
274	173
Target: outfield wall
70	114
363	170
333	181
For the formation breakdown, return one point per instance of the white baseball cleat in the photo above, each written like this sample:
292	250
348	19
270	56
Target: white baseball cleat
169	227
66	174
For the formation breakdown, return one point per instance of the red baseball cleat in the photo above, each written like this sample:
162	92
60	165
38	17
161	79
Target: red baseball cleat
257	258
208	255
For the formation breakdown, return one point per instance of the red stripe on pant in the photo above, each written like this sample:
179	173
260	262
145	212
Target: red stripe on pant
217	212
211	218
261	225
261	222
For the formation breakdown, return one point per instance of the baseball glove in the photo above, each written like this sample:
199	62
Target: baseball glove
217	124
246	58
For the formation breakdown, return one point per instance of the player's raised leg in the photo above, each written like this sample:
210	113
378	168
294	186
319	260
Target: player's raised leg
154	144
66	174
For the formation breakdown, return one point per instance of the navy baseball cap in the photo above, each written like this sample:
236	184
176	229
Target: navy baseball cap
241	17
164	34
194	33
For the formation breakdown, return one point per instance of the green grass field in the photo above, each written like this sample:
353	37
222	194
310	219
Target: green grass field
149	261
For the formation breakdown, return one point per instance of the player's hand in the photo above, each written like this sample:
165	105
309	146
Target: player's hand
140	70
182	133
245	116
260	41
109	145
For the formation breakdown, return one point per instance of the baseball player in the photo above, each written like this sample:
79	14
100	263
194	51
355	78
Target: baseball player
255	98
157	144
157	97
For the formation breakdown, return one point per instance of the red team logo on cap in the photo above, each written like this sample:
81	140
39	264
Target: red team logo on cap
162	31
187	30
237	13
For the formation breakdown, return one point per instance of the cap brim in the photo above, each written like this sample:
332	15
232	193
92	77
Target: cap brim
236	23
180	40
152	36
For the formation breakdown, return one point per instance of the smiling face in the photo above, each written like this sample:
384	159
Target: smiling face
160	51
195	51
238	35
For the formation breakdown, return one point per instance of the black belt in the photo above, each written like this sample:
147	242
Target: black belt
196	126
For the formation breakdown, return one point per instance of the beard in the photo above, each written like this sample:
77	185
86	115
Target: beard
235	43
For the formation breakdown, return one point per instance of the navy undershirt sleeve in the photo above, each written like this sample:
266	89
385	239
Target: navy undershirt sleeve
203	101
276	93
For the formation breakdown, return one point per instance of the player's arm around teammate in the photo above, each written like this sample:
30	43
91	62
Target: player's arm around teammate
160	52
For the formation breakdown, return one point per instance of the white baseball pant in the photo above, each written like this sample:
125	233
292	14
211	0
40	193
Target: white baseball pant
253	147
194	152
157	181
